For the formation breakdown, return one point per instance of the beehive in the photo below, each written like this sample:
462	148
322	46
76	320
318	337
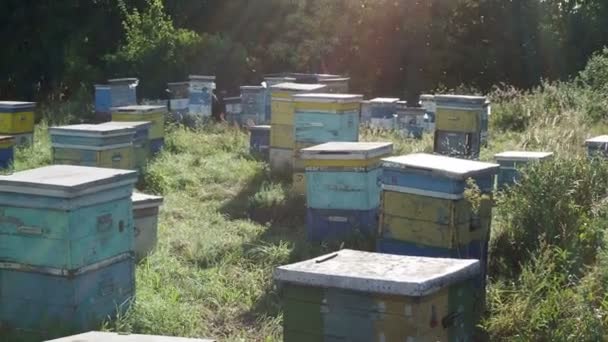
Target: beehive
282	130
97	336
103	103
259	141
179	95
411	120
145	218
234	109
424	210
382	112
270	81
93	145
597	146
338	85
461	126
361	296
512	161
7	143
141	146
44	298
65	217
366	112
154	114
201	93
253	104
342	188
123	91
17	119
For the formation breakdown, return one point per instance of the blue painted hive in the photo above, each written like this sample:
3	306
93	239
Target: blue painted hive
141	145
259	141
43	298
145	216
65	217
201	93
360	296
179	95
17	119
343	188
424	210
511	163
103	102
123	91
597	147
337	85
383	108
233	109
253	100
93	145
7	143
98	336
411	120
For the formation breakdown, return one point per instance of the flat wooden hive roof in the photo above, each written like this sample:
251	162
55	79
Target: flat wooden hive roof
141	200
328	97
378	273
448	166
289	86
522	155
97	336
599	139
138	109
384	100
93	129
332	149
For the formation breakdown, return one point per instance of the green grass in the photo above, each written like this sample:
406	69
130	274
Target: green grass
226	224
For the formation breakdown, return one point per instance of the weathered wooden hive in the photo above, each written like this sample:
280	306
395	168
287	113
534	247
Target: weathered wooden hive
145	218
511	162
154	114
17	119
259	140
201	93
7	153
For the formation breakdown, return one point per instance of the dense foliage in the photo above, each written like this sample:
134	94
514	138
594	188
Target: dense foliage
388	47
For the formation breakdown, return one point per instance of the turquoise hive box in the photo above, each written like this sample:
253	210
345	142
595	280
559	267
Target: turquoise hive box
145	216
65	217
511	163
360	296
98	336
41	299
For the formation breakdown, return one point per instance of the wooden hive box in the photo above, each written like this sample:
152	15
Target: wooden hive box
154	114
7	153
97	336
259	140
179	97
65	217
201	93
103	103
512	161
145	223
361	296
597	146
93	145
253	100
338	85
424	210
17	119
383	107
141	145
123	91
43	298
458	113
343	188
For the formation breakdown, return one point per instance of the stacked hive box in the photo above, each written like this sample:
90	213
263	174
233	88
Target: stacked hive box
461	125
427	102
282	142
201	93
510	163
154	114
366	112
179	98
382	111
254	105
597	147
93	145
103	103
321	118
17	119
259	141
269	82
411	120
97	336
424	211
123	91
362	296
66	241
343	190
233	109
337	85
145	217
141	146
7	143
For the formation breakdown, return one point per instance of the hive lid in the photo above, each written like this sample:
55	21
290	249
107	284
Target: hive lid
138	109
328	76
461	99
522	155
259	128
445	166
145	201
201	78
66	181
97	336
253	87
124	80
427	97
102	86
16	105
289	86
127	124
327	97
381	100
6	138
602	139
347	150
183	83
333	79
92	130
379	273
